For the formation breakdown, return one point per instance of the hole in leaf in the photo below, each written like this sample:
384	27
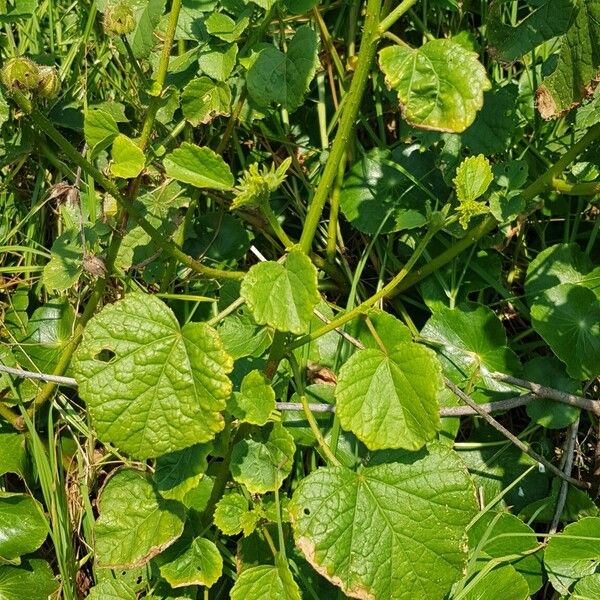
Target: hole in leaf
123	573
105	355
306	512
138	580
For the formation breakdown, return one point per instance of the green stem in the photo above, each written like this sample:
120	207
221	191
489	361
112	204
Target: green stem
587	188
334	211
367	304
276	226
161	74
388	21
352	102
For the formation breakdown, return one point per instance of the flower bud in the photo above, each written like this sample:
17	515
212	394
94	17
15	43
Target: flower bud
49	82
119	19
20	73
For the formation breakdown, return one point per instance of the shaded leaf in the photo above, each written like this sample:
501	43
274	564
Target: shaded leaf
33	575
23	527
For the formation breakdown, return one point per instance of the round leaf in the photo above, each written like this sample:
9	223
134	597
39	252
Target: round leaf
568	559
135	523
440	85
377	533
265	582
151	387
263	462
502	582
568	318
390	400
23	527
229	512
204	99
282	295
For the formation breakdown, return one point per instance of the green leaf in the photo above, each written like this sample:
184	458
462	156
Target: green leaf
501	582
229	513
299	7
204	100
66	261
23	527
262	461
224	27
266	582
100	129
179	472
135	523
191	562
278	78
386	524
217	59
473	178
255	401
200	167
440	85
384	192
13	453
495	124
547	19
128	158
151	386
389	400
4	109
576	72
241	336
495	535
34	575
143	38
568	319
548	371
49	329
282	295
471	339
569	559
561	263
111	589
587	588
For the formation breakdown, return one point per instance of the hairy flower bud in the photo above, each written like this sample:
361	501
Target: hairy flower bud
119	19
20	73
49	82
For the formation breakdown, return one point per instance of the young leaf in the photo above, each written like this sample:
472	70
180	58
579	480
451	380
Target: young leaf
390	400
135	523
23	527
34	575
351	529
200	167
576	74
229	512
128	158
151	386
282	295
224	27
278	78
440	85
262	462
100	129
217	59
473	178
568	559
255	401
204	100
568	318
191	562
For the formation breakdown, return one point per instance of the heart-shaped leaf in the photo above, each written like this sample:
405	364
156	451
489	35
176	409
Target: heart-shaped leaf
255	401
35	576
266	582
282	295
151	386
389	400
440	85
135	523
376	533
